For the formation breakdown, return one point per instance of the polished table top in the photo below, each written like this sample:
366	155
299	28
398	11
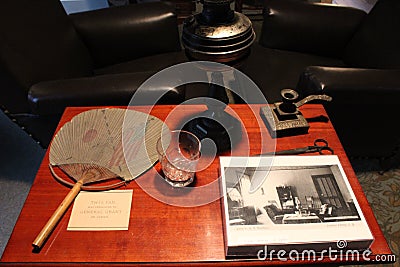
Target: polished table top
160	233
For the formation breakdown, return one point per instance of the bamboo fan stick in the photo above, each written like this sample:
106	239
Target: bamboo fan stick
54	219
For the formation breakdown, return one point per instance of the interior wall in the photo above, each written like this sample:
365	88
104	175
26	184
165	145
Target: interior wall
365	5
300	180
74	6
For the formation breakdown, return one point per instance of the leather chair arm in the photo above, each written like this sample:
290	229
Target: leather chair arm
364	107
52	97
352	85
301	26
123	33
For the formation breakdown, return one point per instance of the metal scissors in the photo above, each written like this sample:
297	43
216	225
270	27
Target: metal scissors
320	145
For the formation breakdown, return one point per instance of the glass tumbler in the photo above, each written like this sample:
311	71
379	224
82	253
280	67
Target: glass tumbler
178	154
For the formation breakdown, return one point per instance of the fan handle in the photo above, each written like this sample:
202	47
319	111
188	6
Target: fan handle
54	219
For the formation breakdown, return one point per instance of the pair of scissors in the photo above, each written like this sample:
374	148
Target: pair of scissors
320	145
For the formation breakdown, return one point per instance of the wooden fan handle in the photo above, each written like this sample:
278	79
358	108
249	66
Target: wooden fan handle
52	222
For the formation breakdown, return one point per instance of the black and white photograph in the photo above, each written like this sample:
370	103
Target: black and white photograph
290	195
289	201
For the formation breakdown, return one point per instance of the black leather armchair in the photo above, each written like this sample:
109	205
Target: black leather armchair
340	51
50	60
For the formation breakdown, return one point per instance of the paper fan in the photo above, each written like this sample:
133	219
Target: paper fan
111	139
98	145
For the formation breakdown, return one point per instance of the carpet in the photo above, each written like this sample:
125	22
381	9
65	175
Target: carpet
20	157
383	193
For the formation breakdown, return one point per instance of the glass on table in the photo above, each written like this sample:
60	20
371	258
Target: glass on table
178	154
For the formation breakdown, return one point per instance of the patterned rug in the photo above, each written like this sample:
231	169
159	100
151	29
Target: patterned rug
383	193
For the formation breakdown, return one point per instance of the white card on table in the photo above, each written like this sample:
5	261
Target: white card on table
101	211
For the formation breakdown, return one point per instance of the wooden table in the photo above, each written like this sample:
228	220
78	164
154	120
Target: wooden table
160	233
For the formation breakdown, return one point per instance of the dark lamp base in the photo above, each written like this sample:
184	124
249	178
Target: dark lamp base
221	127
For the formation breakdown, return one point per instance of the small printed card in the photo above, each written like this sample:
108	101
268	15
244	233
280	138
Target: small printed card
101	211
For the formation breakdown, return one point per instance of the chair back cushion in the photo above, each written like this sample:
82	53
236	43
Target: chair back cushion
38	43
377	42
308	27
120	34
